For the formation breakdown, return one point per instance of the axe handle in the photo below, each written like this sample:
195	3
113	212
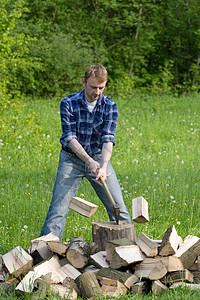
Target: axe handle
107	190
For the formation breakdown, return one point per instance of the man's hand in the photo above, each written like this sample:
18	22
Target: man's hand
94	166
101	172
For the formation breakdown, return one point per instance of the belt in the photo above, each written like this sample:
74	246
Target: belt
90	154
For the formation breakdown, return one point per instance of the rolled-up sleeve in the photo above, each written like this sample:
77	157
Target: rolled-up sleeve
68	121
110	123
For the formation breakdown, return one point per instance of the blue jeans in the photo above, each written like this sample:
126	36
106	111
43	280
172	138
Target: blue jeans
71	171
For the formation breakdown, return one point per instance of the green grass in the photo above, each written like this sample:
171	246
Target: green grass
156	156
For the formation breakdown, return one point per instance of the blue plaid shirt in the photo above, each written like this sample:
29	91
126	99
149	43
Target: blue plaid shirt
91	129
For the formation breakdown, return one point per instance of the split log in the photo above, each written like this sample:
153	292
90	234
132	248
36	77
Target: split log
103	232
47	238
67	271
177	276
91	268
2	272
40	252
27	283
127	279
142	287
78	252
140	212
112	288
191	286
189	251
111	245
150	268
170	242
172	263
158	287
17	261
88	285
126	255
99	259
63	292
149	247
82	206
58	248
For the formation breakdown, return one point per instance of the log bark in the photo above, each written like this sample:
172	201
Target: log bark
78	252
88	285
103	232
127	279
178	276
189	251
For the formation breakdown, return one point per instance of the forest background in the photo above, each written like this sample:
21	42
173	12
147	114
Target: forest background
46	45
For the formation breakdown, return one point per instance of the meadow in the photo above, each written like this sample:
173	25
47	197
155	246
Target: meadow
157	156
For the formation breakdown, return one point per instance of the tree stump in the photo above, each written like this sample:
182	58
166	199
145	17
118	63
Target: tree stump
78	252
103	232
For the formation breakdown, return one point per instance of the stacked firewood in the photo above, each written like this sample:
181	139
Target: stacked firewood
79	268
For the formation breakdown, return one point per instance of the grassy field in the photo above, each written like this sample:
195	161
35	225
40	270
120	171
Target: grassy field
157	156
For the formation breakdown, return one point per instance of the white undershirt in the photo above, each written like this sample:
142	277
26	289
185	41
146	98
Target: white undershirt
91	105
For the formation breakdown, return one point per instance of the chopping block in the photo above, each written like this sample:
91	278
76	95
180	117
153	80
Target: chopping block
103	232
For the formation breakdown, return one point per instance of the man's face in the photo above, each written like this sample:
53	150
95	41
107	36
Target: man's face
93	88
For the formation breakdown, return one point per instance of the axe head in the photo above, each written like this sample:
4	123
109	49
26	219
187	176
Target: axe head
116	212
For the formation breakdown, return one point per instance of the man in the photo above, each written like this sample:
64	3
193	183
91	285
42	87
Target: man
88	120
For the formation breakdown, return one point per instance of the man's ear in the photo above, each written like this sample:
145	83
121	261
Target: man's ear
83	82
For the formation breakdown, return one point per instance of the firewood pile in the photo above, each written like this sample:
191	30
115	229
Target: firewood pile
115	263
77	268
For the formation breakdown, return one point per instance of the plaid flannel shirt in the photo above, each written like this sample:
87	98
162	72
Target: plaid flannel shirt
91	129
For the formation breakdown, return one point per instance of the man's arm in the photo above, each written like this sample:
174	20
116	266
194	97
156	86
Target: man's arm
82	154
106	156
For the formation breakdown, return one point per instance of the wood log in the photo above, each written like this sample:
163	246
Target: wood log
40	252
149	247
103	232
67	271
158	287
189	251
99	259
191	286
112	288
150	268
170	242
111	245
127	279
91	268
63	292
177	276
58	248
172	263
82	206
141	287
47	238
196	265
27	283
126	255
17	261
140	212
88	285
2	272
78	252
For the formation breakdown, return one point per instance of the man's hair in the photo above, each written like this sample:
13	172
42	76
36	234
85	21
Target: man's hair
98	71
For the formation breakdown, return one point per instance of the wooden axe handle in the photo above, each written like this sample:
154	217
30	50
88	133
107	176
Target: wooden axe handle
107	190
